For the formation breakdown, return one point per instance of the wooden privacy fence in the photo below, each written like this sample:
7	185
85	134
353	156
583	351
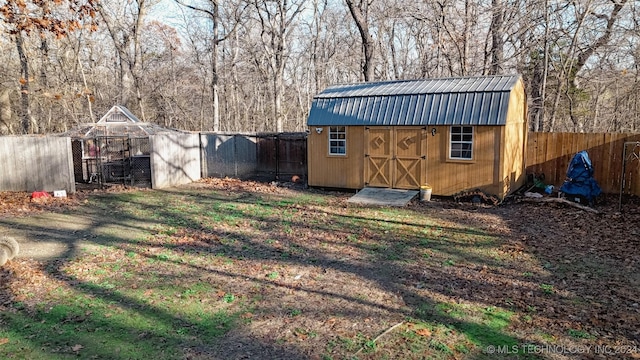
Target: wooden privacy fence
256	155
550	154
45	163
30	163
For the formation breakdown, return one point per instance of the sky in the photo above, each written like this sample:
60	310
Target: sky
165	11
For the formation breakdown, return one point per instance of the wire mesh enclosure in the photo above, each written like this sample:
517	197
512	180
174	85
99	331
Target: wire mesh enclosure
113	160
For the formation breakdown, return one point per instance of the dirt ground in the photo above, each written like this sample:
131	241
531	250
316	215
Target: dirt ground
615	228
41	246
595	256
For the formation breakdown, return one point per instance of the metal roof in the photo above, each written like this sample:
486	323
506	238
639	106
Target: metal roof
93	130
448	101
119	114
118	121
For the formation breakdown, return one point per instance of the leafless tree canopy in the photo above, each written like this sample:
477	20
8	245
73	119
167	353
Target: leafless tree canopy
255	65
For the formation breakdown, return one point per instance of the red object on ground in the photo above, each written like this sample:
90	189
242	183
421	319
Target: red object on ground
40	194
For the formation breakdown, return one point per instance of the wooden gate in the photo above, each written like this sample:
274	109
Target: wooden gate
395	157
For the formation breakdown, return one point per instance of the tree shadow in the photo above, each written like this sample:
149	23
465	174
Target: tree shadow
419	290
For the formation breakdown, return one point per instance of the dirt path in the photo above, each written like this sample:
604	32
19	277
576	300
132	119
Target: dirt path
53	228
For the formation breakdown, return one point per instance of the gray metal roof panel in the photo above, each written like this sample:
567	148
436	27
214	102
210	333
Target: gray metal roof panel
452	101
436	109
424	86
116	114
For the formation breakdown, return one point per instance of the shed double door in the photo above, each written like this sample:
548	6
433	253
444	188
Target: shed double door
395	157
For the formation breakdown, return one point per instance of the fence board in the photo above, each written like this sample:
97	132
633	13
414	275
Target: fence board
550	154
228	155
34	163
263	155
175	159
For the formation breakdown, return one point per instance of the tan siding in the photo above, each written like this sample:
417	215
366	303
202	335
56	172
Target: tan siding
448	177
513	144
512	176
336	171
497	166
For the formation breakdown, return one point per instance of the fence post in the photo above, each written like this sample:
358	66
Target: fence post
305	158
277	142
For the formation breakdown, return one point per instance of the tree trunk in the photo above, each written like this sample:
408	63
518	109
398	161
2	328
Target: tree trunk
465	39
359	14
86	90
277	103
537	101
6	127
545	72
215	18
135	65
26	122
497	37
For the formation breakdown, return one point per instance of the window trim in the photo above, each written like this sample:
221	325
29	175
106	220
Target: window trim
340	141
461	132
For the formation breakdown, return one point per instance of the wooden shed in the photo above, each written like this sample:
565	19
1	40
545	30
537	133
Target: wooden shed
454	134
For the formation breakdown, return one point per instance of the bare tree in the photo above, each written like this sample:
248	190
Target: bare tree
277	21
497	38
23	18
587	37
211	9
125	23
360	11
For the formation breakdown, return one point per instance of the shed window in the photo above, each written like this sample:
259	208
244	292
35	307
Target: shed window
461	143
337	140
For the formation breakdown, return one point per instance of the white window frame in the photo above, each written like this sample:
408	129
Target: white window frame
337	140
461	142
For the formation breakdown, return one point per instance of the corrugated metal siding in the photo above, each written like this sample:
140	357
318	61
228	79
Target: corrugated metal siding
424	86
427	109
452	101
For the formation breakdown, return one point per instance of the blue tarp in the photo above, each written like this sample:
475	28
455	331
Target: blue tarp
580	181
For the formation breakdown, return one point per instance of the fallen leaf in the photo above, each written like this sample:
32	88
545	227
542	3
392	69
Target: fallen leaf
423	332
77	347
247	315
4	341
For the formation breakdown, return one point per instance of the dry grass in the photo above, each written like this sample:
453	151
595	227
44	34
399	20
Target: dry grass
231	269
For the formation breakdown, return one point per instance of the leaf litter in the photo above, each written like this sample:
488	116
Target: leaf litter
568	276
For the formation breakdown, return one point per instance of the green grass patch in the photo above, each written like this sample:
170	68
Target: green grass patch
178	269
